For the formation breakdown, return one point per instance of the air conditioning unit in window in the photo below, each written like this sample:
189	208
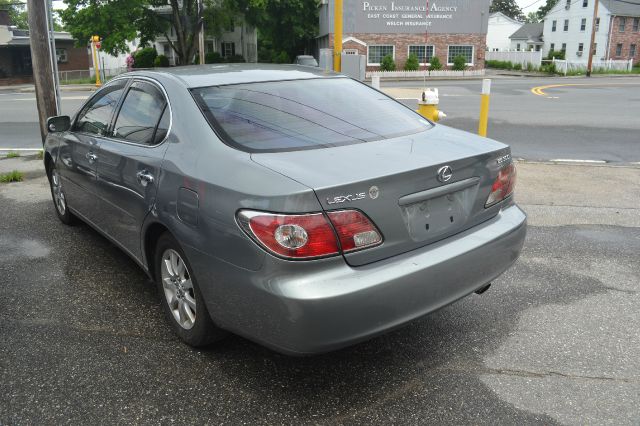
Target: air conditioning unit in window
578	53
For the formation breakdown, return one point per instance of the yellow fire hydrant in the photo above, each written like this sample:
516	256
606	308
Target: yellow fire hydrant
428	105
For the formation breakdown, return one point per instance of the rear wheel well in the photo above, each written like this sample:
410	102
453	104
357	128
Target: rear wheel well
153	233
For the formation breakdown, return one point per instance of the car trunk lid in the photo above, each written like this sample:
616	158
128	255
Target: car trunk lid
395	183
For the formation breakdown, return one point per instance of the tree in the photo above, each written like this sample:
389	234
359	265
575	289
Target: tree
459	63
544	9
532	18
412	63
17	13
509	8
387	64
435	64
122	21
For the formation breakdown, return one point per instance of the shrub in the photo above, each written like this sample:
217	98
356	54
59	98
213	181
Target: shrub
240	58
412	63
387	64
281	58
555	54
144	58
213	58
459	63
530	67
517	66
161	61
435	64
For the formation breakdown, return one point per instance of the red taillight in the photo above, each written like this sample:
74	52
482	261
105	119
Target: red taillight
308	236
503	185
354	229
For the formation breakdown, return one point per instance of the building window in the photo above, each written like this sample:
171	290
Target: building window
632	51
350	51
466	51
566	25
518	47
553	26
552	47
597	24
585	3
595	49
567	5
376	53
580	48
636	24
231	26
61	55
619	49
424	53
583	24
564	47
621	24
228	49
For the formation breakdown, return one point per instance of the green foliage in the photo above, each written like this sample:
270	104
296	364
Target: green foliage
555	54
40	155
12	176
517	66
508	7
13	154
144	58
17	13
531	67
161	61
508	65
281	58
544	9
459	63
435	64
532	18
412	63
213	58
549	68
387	64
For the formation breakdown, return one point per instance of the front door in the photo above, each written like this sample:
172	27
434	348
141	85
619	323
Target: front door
78	157
130	163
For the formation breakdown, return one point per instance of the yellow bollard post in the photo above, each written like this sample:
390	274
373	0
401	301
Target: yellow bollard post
96	65
337	36
484	107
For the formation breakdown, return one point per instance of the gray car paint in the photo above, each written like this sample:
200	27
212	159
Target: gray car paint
311	306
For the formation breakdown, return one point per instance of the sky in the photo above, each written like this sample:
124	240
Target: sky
533	8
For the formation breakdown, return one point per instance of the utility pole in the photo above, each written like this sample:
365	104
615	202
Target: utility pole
201	33
54	55
41	63
593	38
337	36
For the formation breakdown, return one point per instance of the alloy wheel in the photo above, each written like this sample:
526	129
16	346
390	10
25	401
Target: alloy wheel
58	194
178	288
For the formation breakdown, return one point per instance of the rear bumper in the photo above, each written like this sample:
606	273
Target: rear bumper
314	307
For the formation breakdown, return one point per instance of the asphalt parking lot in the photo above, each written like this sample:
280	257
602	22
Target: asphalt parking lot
553	341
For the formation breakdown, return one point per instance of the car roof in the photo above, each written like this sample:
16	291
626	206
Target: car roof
222	74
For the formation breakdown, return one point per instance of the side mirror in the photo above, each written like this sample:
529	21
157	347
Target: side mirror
61	123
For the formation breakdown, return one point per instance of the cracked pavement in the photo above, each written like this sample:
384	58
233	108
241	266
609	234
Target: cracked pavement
554	341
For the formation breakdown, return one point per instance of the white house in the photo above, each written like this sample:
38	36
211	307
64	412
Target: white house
527	38
568	26
498	31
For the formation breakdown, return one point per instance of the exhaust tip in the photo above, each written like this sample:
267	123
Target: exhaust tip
483	289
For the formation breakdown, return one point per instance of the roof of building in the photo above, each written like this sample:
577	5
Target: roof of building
529	32
623	8
502	15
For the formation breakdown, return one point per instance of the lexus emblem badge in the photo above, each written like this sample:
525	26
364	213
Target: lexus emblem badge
444	174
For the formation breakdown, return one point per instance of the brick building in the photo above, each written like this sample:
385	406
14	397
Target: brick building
15	53
377	28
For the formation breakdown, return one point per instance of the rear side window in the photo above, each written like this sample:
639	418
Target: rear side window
140	114
304	114
96	115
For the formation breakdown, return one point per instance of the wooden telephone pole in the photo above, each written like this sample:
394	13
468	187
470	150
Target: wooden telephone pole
41	63
593	38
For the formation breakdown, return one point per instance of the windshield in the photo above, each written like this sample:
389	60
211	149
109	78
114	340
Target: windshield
304	114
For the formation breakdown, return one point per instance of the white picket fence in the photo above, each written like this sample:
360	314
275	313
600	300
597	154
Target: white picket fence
564	66
517	57
421	74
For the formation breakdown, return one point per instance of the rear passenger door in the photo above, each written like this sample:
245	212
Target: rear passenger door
130	163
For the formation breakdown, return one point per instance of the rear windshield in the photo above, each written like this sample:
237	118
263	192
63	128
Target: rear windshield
304	114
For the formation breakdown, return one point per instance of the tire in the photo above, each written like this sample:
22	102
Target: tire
59	198
180	295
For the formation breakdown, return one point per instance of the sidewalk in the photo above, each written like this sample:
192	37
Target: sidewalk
30	88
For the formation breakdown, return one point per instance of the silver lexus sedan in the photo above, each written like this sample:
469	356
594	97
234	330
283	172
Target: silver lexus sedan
301	209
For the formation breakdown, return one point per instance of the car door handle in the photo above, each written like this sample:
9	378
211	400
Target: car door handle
91	157
144	177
